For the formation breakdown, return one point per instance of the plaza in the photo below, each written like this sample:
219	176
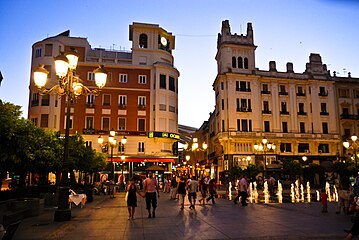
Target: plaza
106	218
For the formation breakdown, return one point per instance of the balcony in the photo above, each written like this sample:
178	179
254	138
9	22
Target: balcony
45	102
284	112
265	92
283	93
141	107
347	116
323	94
302	113
244	109
266	112
88	131
90	105
324	113
122	106
301	94
243	89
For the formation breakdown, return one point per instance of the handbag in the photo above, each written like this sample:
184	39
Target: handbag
126	196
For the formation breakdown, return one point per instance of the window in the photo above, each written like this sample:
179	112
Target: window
106	100
301	107
325	127
90	76
35	99
285	127
285	147
48	50
222	85
141	147
34	121
122	100
122	124
142	79
88	144
171	84
265	88
141	101
89	123
323	107
234	62
240	62
223	129
244	86
345	111
163	81
105	123
90	100
121	148
70	122
222	104
246	63
44	121
343	93
303	147
266	107
238	125
143	41
323	148
38	52
123	78
266	126
45	100
282	90
322	91
300	90
302	127
284	107
246	125
141	124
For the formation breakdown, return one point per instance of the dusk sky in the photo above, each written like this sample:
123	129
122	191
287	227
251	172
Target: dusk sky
284	31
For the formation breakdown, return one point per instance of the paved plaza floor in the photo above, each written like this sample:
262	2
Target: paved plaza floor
106	218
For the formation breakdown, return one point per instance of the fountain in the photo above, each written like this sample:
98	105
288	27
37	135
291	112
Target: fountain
280	192
266	193
292	194
318	195
230	191
335	195
255	192
297	194
327	191
250	195
301	193
308	193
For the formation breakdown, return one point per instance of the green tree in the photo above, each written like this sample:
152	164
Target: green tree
292	168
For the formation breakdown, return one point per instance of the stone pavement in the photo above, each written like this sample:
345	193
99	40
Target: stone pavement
106	218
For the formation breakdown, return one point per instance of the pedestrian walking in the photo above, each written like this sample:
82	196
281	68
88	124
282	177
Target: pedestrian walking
242	188
324	200
192	188
181	190
173	191
203	190
150	188
132	190
212	187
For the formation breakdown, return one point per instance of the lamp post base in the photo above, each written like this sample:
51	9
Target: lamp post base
62	215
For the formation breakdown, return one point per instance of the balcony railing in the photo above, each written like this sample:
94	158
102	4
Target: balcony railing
265	92
302	113
347	116
323	94
243	89
90	105
142	107
122	106
301	94
266	112
283	93
88	131
284	112
324	113
244	109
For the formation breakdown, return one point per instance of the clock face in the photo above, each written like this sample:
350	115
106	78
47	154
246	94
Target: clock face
164	41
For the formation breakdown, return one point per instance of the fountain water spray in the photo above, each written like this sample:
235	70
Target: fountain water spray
292	194
335	195
266	193
308	192
230	191
318	195
280	193
327	191
297	194
255	192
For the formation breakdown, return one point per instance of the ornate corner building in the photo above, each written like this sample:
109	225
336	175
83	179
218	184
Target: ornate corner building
139	101
302	114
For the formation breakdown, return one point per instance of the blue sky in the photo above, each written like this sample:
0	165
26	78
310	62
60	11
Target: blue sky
284	31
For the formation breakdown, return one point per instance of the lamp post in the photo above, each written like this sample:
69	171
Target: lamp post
69	85
354	146
195	148
264	147
112	142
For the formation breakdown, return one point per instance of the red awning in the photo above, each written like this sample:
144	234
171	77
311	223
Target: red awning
132	159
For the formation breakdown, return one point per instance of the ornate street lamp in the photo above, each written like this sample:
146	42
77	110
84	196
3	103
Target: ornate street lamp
195	148
264	147
354	146
69	85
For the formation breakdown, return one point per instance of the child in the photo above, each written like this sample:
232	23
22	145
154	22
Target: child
324	198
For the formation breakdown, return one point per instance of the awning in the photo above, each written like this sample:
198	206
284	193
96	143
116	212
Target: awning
147	159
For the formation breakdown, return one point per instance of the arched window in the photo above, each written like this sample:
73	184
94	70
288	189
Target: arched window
246	63
234	62
143	40
240	62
